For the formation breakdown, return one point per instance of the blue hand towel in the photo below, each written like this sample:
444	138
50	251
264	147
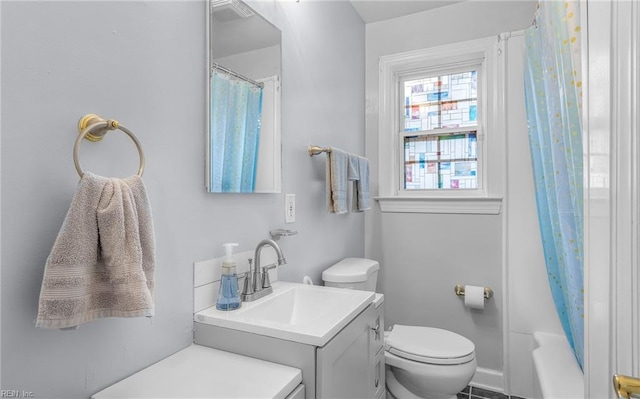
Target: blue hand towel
361	189
353	170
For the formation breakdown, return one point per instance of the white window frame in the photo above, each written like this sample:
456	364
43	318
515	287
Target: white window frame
482	54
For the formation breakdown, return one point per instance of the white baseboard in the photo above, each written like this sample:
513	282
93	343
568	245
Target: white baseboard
492	380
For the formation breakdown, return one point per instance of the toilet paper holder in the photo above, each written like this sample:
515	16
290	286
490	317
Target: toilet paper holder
459	290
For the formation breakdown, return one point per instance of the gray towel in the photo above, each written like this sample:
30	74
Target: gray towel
103	260
337	166
361	191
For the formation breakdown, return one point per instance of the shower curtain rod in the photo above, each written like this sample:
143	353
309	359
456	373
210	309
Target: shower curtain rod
235	74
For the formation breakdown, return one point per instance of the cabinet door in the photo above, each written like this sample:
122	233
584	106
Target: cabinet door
377	382
344	364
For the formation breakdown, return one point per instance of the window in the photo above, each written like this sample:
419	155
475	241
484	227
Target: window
440	131
438	115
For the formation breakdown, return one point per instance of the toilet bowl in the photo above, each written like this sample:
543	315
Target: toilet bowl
421	362
426	362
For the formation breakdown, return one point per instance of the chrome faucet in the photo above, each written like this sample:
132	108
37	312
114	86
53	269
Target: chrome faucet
257	284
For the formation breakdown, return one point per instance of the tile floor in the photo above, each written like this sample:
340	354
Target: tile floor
479	393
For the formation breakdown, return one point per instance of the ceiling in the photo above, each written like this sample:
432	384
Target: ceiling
378	10
237	33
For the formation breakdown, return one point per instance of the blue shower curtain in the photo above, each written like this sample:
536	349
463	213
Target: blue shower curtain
553	91
236	108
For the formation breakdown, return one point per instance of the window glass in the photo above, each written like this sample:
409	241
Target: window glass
442	101
442	110
441	161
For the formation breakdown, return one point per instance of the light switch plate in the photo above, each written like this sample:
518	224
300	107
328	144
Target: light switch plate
289	208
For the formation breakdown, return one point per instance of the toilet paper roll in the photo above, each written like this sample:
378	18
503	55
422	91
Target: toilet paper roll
474	297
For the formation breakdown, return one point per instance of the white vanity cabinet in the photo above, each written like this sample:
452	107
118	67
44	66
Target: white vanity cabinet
350	365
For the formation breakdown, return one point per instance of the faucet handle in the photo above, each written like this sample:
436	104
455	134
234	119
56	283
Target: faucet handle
248	287
266	283
269	267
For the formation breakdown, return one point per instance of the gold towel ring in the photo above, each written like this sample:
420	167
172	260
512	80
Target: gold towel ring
93	128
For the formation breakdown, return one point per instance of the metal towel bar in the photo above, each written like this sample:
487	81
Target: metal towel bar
315	150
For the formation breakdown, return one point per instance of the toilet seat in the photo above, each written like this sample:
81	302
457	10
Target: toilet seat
429	345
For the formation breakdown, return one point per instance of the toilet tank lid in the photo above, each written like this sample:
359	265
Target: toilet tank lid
351	270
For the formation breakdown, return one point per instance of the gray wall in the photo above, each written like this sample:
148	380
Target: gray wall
143	63
423	256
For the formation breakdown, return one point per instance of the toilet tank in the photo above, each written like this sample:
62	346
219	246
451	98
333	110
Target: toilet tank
353	273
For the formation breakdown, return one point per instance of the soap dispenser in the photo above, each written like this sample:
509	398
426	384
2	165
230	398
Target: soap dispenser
228	297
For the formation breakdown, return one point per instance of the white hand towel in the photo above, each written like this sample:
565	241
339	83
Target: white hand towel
103	260
337	166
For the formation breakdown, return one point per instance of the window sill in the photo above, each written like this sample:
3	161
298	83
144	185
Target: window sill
443	205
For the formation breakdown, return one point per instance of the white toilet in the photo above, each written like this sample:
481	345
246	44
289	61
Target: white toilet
421	362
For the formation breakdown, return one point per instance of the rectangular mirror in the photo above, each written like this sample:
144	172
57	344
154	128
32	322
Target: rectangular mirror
243	100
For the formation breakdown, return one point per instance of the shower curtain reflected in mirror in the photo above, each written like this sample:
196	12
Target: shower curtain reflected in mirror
553	91
235	134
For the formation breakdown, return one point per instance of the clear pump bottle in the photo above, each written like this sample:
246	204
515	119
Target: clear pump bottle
228	297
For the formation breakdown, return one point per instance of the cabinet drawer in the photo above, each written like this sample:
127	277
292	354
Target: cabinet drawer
297	393
377	333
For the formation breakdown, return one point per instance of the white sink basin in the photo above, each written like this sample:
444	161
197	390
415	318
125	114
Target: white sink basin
307	314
